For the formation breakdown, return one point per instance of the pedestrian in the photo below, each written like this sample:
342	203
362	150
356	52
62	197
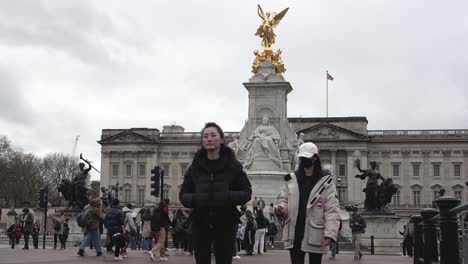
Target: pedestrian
146	229
309	203
255	205
262	224
358	227
18	233
66	232
408	237
159	224
57	223
261	204
11	233
114	223
238	242
213	186
27	222
272	231
178	229
334	243
93	214
249	235
403	245
35	234
129	227
271	212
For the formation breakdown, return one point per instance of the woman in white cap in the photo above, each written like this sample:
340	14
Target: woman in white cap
309	203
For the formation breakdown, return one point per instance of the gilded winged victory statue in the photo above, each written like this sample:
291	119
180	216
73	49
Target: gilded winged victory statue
269	23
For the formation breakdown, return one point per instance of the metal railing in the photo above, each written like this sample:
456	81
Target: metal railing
437	231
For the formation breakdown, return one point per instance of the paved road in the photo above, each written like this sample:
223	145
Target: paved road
69	257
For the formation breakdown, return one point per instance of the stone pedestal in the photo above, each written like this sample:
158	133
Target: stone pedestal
266	184
385	229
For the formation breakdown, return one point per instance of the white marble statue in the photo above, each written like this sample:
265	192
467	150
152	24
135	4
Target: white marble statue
263	143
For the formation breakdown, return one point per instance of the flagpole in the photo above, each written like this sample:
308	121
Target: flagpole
326	76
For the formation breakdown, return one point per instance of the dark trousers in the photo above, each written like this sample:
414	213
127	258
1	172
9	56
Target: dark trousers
60	239
35	238
298	256
409	246
222	239
64	241
26	239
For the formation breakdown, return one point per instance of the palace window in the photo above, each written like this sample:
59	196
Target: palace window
166	168
342	170
396	199
183	169
436	170
115	170
141	195
128	170
457	170
142	170
416	169
417	198
458	195
396	170
127	194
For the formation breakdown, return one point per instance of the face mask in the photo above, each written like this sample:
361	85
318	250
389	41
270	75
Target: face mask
307	163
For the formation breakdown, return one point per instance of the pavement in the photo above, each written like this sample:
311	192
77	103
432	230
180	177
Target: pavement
69	256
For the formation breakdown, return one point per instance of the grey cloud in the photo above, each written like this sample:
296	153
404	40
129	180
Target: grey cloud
14	107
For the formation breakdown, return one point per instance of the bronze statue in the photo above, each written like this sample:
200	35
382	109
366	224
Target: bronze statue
269	23
377	195
76	192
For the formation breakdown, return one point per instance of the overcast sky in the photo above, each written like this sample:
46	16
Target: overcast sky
72	68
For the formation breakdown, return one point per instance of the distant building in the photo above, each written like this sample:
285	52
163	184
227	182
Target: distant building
420	162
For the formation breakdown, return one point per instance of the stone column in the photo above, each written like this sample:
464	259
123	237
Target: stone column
333	163
105	169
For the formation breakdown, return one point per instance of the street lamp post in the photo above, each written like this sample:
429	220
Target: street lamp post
340	186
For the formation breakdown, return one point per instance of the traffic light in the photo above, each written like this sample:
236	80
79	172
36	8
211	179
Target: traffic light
155	179
41	198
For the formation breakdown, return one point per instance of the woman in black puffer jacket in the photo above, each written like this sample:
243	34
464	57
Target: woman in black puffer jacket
213	186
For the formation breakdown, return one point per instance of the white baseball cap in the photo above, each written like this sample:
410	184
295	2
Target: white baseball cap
307	150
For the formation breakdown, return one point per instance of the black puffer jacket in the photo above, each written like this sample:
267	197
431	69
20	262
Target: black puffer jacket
215	189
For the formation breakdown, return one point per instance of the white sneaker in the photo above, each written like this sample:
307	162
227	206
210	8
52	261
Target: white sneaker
236	257
124	255
163	259
118	258
151	255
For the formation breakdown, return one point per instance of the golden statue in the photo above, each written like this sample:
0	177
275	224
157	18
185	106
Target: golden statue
271	56
270	22
265	31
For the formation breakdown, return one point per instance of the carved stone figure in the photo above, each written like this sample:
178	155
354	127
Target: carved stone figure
263	143
377	195
236	147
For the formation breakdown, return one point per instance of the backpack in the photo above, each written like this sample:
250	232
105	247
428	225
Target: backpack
83	219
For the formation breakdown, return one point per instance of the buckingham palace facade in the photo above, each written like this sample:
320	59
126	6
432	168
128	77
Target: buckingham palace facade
420	162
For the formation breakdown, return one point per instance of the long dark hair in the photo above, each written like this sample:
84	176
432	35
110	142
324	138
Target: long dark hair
317	166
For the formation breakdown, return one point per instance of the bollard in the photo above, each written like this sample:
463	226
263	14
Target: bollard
417	239
449	253
372	245
430	251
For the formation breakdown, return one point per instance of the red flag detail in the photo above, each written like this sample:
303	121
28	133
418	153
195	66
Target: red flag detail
329	77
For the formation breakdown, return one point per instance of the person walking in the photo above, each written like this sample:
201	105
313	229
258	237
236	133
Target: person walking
129	227
255	205
309	204
92	212
35	234
66	232
213	186
271	212
358	227
262	224
272	231
178	229
27	222
114	223
159	225
57	223
146	229
249	235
